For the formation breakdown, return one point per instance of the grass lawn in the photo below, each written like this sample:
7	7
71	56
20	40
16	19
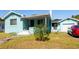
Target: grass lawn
57	40
3	35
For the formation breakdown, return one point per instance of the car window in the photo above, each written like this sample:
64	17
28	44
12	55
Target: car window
77	26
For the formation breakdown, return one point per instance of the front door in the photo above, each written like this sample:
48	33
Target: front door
31	23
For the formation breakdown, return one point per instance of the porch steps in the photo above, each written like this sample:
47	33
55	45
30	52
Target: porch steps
26	32
53	30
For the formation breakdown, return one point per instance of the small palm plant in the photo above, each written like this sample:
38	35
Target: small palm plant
41	33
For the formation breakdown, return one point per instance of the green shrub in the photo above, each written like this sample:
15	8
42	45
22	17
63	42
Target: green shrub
41	32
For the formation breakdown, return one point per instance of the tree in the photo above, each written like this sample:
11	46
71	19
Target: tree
76	16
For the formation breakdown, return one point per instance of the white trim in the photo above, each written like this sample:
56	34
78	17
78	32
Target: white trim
10	13
75	19
45	20
51	15
70	19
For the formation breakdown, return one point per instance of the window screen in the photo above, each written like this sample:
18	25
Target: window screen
13	22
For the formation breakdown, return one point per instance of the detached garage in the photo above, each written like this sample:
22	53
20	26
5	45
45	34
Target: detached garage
63	25
67	23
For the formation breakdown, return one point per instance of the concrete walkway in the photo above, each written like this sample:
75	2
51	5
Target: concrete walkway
7	39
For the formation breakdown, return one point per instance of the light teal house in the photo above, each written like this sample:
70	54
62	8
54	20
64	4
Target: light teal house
15	22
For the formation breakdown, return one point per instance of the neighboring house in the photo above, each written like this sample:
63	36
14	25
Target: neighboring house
55	24
1	25
15	22
63	25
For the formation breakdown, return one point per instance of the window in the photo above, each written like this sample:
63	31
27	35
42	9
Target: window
2	26
40	22
13	22
77	26
31	23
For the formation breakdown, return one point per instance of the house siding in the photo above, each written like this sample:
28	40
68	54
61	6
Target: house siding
13	28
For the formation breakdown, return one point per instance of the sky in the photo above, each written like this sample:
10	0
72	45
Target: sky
57	14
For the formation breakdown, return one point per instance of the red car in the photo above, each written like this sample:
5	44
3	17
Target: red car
74	30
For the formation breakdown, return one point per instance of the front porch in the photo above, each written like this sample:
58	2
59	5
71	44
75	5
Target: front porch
30	22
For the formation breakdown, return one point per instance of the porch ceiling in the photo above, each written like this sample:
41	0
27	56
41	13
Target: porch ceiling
36	16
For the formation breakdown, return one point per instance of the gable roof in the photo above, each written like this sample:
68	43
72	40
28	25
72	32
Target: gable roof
69	19
11	12
59	20
56	20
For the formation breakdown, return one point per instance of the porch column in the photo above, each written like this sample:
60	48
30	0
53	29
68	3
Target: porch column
45	20
35	22
28	24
